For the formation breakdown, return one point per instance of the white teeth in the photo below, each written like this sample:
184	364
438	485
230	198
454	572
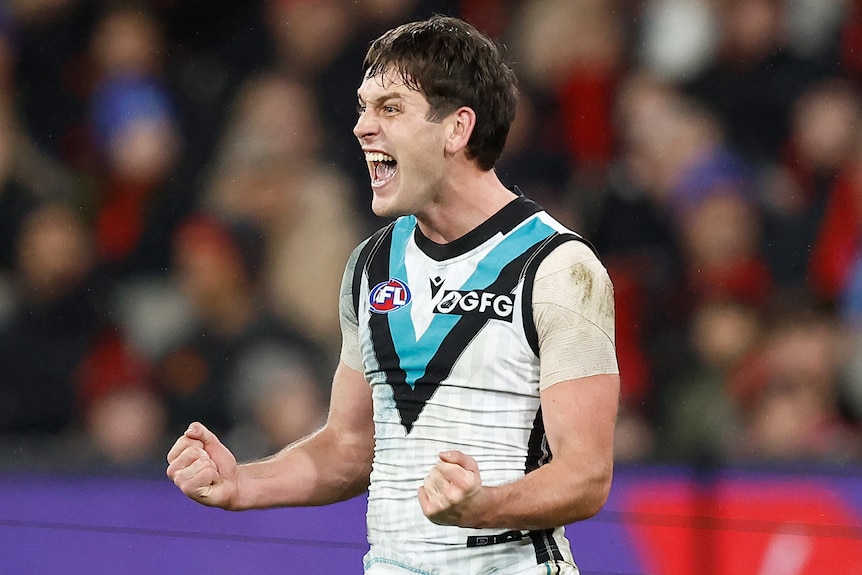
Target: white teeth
378	157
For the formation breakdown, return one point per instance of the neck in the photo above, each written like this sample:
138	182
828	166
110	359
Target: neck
463	207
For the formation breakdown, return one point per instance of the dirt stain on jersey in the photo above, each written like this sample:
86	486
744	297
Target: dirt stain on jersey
597	295
584	278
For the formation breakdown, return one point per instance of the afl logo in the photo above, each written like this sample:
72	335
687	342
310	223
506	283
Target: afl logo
389	295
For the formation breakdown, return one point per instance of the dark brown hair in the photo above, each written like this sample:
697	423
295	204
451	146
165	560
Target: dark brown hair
452	64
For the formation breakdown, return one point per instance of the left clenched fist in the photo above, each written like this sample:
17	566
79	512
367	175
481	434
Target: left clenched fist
450	493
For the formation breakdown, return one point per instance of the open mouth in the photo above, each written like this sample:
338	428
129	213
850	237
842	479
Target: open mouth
381	166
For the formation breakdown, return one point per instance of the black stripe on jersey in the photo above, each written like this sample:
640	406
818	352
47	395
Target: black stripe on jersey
545	546
410	401
377	269
538	451
530	277
368	250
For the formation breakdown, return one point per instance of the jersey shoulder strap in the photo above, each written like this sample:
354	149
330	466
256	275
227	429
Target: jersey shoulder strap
530	277
366	254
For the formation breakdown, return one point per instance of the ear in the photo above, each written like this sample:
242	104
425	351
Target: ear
462	122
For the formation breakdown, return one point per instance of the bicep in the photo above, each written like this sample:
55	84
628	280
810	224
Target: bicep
351	415
343	450
579	417
330	465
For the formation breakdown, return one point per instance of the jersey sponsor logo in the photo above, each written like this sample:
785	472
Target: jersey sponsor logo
476	302
389	295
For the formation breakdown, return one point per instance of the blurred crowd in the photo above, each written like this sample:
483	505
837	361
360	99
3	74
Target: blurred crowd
180	190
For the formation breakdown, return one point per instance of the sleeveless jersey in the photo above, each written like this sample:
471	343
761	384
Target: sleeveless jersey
450	350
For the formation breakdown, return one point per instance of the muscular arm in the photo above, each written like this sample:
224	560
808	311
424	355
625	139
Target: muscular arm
333	464
579	423
573	308
330	465
579	419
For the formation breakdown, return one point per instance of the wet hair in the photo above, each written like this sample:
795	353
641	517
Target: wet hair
452	64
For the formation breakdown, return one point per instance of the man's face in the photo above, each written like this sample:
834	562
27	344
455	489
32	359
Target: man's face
403	149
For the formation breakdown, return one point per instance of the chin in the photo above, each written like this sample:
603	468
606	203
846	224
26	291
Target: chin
385	211
385	207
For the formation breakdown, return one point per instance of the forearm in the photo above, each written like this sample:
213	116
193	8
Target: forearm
330	465
555	494
317	470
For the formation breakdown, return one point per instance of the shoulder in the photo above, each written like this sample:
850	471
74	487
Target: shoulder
575	255
359	259
362	251
573	275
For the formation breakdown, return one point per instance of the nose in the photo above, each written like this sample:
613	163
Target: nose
365	126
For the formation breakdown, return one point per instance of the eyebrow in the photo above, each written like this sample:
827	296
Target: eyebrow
380	99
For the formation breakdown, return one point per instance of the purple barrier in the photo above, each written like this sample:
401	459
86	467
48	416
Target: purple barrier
76	525
657	521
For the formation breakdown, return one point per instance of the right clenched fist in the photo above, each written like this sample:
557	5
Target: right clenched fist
203	468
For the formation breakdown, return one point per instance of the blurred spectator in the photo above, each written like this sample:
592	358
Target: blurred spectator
230	371
319	43
720	261
27	177
123	416
58	314
663	135
662	132
679	38
754	79
815	172
699	421
308	35
575	52
140	195
725	285
789	392
27	174
835	247
277	397
270	172
127	41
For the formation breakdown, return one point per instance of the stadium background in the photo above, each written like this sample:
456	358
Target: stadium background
179	189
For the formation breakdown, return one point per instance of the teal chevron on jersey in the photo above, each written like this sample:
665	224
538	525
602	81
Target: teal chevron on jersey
415	352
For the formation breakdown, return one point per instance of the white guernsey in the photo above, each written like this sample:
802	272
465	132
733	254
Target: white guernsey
457	341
